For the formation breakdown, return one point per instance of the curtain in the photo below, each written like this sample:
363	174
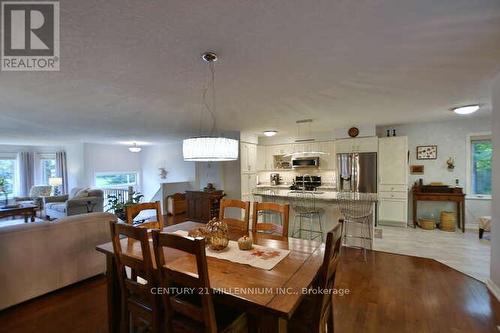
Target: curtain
62	170
26	172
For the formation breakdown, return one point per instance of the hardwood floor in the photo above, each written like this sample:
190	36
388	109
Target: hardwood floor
388	293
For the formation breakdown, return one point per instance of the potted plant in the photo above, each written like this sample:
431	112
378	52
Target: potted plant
118	206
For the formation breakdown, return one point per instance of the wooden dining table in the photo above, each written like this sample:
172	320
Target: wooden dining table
270	297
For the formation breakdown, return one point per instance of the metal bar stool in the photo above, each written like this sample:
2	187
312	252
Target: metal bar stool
357	209
305	209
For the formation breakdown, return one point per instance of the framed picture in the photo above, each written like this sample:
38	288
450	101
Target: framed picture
427	152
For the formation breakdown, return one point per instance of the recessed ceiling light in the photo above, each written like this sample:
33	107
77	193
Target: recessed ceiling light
468	109
270	133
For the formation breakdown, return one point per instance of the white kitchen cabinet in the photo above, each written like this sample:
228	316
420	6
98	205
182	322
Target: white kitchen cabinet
248	157
393	160
357	145
393	181
327	161
248	184
261	158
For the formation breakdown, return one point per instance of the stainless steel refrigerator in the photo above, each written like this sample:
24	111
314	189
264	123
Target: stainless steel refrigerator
357	172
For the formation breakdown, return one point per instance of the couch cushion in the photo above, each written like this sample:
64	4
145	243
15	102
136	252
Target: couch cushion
74	191
40	191
57	206
84	192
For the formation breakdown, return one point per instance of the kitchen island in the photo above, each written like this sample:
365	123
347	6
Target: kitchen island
326	201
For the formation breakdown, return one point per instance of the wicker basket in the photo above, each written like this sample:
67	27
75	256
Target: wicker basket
427	224
448	221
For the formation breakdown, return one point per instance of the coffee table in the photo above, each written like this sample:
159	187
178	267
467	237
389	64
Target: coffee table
24	210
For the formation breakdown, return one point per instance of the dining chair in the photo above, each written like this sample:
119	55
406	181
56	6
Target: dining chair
191	312
270	227
315	313
134	210
139	306
233	222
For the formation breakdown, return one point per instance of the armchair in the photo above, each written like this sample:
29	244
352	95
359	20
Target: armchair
79	201
35	196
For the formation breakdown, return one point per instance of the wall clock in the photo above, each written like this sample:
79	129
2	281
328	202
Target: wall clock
353	132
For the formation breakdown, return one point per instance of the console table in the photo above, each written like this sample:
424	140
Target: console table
455	195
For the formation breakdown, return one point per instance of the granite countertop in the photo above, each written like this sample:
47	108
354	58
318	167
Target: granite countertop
320	195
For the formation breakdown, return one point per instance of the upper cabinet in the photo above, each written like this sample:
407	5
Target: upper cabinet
327	161
393	160
248	157
356	145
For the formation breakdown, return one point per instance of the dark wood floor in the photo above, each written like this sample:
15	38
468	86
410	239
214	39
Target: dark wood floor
388	293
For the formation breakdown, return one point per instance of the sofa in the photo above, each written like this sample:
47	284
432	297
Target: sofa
36	195
80	200
37	258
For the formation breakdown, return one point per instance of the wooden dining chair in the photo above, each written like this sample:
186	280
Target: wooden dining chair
315	313
191	312
282	210
233	222
138	305
134	210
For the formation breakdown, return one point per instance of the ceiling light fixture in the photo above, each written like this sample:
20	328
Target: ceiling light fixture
210	148
270	133
467	109
134	148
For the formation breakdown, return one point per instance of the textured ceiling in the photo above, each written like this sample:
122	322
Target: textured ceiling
130	70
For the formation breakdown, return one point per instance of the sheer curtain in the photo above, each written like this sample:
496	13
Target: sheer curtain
62	170
26	172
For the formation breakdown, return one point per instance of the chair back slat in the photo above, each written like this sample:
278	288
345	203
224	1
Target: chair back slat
282	210
136	295
177	304
233	222
326	279
133	210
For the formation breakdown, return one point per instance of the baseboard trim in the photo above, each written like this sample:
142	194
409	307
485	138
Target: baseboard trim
493	288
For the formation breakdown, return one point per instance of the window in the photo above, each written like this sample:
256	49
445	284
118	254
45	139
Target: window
480	152
48	169
8	172
116	179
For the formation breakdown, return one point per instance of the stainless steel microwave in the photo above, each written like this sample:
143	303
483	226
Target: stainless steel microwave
305	162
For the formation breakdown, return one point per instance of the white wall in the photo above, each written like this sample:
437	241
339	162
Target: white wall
451	139
109	158
495	234
75	159
168	156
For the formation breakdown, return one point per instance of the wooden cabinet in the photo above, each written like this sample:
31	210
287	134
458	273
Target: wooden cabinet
357	145
203	206
393	181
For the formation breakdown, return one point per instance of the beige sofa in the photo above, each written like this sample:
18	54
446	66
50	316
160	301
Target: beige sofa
37	258
80	200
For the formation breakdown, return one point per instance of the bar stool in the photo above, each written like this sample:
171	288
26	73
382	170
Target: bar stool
357	209
305	209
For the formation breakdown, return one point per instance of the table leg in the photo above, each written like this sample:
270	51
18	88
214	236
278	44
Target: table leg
463	215
272	324
414	213
114	295
25	218
33	215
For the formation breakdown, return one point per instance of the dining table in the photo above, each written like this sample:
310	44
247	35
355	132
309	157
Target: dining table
269	297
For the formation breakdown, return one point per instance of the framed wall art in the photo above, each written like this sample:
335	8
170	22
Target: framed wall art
427	152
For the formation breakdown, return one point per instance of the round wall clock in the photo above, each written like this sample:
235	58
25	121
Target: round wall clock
353	132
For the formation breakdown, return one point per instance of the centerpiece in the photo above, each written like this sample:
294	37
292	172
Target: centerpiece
218	238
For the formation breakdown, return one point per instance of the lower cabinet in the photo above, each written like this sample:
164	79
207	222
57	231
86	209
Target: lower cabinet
393	209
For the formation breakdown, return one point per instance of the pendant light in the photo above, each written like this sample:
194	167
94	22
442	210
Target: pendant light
305	139
210	148
134	148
